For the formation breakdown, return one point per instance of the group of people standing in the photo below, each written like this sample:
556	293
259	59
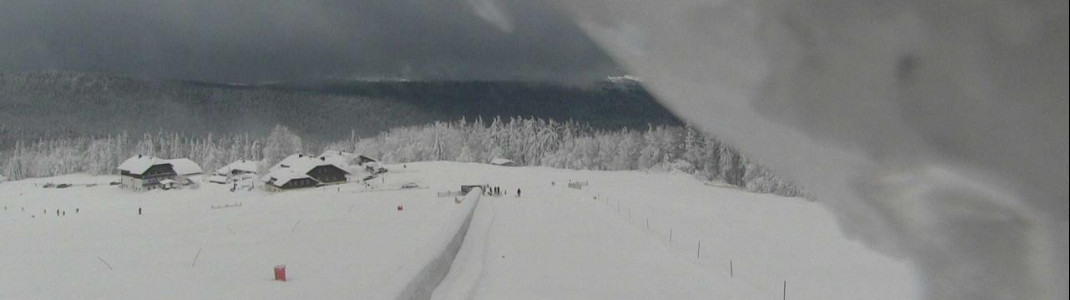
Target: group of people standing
498	191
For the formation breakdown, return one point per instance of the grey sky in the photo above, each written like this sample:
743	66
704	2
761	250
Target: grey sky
264	40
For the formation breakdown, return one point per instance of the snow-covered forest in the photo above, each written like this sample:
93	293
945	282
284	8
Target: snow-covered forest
527	141
68	104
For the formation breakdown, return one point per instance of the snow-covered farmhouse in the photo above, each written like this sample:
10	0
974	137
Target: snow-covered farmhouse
362	159
353	163
141	172
235	171
299	170
370	164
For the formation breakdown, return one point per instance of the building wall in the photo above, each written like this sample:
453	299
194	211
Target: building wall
328	174
131	183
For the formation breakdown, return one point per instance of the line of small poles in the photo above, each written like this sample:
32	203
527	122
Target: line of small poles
698	246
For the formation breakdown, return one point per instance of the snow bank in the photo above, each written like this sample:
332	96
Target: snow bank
467	267
441	252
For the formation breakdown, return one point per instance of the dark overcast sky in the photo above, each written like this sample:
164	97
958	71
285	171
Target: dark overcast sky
265	40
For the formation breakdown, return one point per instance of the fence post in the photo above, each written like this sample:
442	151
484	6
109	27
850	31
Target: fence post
785	291
698	253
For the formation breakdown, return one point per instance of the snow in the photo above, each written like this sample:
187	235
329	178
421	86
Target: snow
337	158
184	166
217	179
444	250
249	166
502	162
555	242
350	241
139	164
297	166
301	163
281	176
334	244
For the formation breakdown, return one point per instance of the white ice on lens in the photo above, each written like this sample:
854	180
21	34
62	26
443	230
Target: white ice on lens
935	131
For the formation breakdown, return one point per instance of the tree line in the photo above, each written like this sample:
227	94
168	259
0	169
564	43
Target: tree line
527	141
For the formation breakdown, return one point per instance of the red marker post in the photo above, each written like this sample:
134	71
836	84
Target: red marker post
280	272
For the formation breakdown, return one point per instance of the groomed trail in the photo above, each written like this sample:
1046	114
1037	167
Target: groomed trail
507	255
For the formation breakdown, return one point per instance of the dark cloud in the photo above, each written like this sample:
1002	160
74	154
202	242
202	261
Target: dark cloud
262	40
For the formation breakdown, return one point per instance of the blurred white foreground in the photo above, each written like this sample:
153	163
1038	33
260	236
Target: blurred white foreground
934	130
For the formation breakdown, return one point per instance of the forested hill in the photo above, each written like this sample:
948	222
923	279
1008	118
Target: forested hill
605	105
50	104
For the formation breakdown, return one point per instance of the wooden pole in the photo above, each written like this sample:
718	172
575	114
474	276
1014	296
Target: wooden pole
292	229
785	291
195	256
731	270
105	262
698	253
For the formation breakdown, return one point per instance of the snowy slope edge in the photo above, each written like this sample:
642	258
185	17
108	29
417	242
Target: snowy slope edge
431	274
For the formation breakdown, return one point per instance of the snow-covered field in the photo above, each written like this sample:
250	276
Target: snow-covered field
554	242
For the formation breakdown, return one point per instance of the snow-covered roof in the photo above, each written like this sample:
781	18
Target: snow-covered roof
217	179
281	176
365	159
337	153
138	164
298	161
339	161
184	166
502	162
240	165
301	163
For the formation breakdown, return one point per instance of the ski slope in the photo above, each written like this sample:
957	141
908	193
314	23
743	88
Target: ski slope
554	242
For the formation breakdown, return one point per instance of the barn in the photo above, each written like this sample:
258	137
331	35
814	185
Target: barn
235	171
299	170
288	179
142	172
